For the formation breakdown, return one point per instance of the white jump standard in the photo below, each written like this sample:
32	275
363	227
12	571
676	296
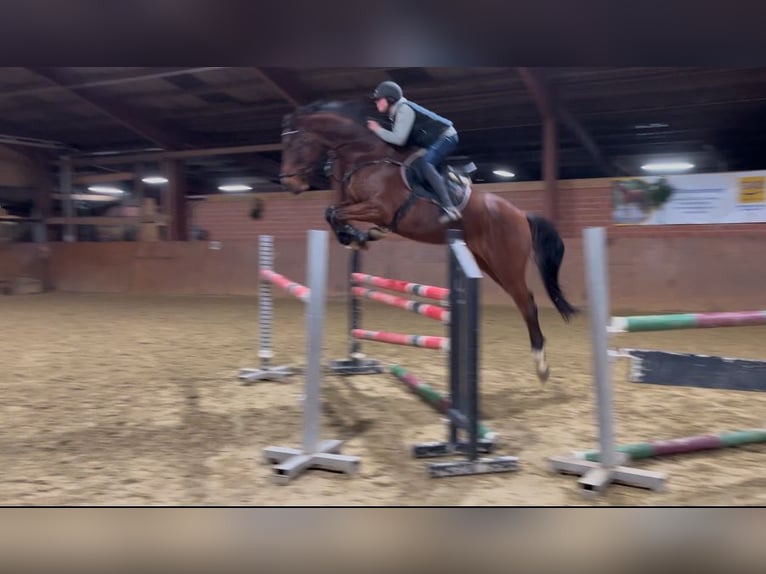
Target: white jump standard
313	453
596	476
266	372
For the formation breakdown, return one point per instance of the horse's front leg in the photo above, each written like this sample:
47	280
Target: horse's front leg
339	216
346	233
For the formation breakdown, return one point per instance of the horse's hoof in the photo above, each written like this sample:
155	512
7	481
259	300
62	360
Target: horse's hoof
541	365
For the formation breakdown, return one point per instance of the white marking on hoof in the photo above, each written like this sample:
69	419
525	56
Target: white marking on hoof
543	370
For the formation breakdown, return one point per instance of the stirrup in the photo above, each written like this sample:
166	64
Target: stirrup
445	216
459	179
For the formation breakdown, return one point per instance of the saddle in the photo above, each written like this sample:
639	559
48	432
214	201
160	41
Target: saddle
457	179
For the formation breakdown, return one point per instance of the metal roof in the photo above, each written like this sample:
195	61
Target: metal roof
612	119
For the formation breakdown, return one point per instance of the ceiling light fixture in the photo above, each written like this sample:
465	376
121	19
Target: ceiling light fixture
106	189
504	173
154	179
668	166
235	187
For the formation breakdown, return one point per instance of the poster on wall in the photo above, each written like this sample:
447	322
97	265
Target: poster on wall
733	197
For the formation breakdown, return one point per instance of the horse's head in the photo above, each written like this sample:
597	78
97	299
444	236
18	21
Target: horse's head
312	131
301	151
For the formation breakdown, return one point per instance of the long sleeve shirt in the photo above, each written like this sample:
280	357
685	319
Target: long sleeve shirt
403	119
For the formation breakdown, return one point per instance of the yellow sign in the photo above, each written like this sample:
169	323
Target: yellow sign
751	189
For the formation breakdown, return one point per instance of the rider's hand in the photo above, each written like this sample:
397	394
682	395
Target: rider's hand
373	125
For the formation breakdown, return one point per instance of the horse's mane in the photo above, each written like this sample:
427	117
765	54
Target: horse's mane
356	110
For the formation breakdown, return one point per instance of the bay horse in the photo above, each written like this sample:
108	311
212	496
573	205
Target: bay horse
371	183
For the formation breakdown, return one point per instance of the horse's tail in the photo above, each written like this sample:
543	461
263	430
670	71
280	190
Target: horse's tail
549	251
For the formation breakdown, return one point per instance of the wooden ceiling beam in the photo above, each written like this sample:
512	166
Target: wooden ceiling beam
180	154
286	83
161	135
550	103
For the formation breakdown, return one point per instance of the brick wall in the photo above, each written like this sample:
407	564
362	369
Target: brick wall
581	203
227	218
660	268
652	268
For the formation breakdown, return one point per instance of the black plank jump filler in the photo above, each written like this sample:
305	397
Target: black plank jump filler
688	370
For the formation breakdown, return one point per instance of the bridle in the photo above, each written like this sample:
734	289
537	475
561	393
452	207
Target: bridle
346	178
302	171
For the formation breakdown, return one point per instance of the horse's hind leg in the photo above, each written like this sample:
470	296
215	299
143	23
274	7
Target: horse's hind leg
510	275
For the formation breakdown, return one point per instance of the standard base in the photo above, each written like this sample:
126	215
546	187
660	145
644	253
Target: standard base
265	374
356	367
434	449
463	467
595	478
293	462
468	467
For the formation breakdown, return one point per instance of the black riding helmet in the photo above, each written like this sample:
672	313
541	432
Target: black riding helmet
389	90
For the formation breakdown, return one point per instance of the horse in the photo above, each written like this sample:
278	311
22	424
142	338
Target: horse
374	183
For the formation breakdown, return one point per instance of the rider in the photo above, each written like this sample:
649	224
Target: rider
418	126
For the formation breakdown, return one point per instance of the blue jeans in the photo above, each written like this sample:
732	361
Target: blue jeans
440	149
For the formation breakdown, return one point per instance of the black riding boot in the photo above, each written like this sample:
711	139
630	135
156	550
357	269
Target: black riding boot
437	184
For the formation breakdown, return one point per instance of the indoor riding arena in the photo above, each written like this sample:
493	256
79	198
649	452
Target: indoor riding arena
134	203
